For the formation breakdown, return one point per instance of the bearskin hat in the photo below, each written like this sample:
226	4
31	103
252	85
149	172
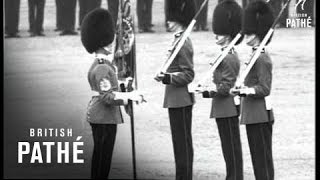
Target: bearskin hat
258	19
227	19
181	11
97	29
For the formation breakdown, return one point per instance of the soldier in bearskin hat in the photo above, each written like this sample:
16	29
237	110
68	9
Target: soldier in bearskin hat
103	113
177	98
256	113
226	24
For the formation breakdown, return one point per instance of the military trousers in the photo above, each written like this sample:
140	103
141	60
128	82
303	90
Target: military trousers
202	18
104	136
66	14
12	12
180	123
144	12
36	14
229	132
113	7
260	144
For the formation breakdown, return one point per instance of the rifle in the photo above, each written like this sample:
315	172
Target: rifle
178	45
194	86
240	81
125	58
213	66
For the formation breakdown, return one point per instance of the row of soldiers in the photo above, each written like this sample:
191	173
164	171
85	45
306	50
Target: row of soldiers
276	5
104	113
65	15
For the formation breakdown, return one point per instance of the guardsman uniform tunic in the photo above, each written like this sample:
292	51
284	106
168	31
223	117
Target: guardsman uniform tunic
179	103
258	117
176	93
103	114
254	107
103	109
224	77
225	111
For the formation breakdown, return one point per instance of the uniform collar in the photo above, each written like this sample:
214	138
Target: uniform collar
256	47
178	33
104	57
253	51
231	51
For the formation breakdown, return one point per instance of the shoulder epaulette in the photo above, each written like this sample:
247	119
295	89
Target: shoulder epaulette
101	61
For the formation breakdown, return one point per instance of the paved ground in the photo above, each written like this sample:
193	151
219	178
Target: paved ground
45	85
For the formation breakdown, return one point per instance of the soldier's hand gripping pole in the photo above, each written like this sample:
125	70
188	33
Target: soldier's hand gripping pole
196	87
180	43
243	75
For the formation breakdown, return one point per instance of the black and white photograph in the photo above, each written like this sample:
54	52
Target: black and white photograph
159	89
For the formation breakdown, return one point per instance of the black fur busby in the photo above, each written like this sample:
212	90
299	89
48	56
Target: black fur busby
181	11
258	19
227	19
97	30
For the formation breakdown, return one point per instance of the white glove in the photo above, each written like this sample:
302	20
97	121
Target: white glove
244	90
192	88
211	87
247	91
125	96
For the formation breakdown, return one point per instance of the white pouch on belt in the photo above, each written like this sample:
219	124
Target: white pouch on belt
268	102
236	100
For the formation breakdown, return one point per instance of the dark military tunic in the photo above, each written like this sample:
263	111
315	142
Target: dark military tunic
176	93
253	107
224	77
103	109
